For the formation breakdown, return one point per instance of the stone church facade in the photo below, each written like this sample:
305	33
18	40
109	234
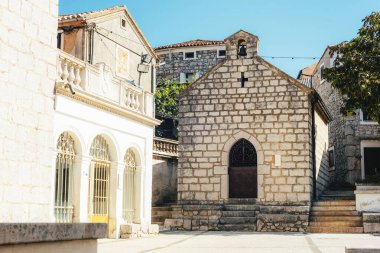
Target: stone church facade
246	136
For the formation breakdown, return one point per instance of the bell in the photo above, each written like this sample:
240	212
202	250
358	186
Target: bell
242	50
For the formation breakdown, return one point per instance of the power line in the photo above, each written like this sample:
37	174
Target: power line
313	57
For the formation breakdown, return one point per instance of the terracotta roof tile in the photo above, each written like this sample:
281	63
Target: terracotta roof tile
192	43
90	14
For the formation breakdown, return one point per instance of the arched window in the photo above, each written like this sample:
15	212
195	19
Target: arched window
99	180
130	186
243	154
63	204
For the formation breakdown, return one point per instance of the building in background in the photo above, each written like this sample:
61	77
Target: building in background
354	146
187	61
104	122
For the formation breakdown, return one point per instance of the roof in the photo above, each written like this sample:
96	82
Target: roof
83	16
192	43
308	71
90	14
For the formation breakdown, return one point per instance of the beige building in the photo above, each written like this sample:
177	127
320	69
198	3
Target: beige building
249	133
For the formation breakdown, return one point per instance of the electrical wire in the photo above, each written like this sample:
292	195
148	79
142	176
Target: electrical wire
130	76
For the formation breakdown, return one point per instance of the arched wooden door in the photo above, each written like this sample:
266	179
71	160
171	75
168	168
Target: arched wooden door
242	170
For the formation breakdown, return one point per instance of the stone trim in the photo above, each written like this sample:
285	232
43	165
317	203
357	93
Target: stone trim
17	233
106	106
223	170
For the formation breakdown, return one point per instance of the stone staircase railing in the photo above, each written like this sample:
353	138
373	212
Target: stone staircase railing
98	80
165	147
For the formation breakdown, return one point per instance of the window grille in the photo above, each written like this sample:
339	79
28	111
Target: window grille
63	205
130	180
99	180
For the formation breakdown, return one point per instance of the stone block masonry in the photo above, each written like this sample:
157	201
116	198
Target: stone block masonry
27	78
270	111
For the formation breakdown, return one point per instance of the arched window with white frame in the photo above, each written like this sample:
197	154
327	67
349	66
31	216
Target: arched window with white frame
99	181
131	187
63	203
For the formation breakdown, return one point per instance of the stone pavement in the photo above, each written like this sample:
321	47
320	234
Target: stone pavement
240	242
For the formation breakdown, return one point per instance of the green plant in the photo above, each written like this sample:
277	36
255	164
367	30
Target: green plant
356	71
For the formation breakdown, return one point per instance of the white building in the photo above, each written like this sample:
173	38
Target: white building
104	122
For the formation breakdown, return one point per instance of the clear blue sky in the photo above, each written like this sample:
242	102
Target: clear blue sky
285	27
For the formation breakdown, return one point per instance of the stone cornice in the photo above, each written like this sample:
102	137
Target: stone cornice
107	106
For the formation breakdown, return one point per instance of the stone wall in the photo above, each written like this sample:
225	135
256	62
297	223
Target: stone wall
27	78
269	217
345	132
164	188
272	111
174	65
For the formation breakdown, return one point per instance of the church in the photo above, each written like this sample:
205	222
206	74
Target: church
249	134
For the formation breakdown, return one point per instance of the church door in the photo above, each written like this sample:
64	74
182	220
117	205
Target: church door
243	170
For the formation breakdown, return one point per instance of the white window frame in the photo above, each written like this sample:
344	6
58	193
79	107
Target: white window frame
217	53
365	122
332	148
322	80
184	55
366	144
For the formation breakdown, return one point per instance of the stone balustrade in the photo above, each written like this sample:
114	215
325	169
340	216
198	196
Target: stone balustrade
98	80
165	147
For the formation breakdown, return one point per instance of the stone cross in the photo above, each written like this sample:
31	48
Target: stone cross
242	79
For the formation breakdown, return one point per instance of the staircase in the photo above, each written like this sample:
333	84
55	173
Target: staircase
335	213
239	215
159	214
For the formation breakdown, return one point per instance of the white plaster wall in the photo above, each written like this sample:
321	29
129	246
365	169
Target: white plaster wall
85	122
105	49
27	77
321	145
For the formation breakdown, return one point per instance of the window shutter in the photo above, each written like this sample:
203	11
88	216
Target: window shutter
182	78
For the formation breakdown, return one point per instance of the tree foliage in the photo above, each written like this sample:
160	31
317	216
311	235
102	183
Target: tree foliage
167	98
356	70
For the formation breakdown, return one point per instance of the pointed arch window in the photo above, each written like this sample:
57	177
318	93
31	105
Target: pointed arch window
63	204
130	186
99	180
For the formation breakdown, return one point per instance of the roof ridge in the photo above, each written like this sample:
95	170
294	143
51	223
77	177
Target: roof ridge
190	43
84	13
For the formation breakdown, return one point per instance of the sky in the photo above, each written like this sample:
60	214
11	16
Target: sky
299	28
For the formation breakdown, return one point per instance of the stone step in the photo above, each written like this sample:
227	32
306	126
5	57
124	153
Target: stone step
333	208
334	213
335	224
335	229
241	208
161	213
238	227
335	218
246	201
334	203
238	213
331	192
336	197
158	218
237	220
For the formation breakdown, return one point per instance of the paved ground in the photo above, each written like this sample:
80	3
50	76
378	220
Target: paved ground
240	242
